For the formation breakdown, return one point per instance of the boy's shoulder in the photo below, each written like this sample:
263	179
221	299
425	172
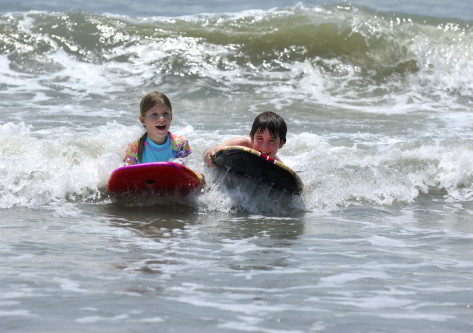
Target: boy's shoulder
238	141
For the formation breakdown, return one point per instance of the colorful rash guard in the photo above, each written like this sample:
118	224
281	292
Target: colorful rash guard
176	146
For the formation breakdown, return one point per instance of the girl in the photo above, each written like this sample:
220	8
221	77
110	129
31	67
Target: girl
157	144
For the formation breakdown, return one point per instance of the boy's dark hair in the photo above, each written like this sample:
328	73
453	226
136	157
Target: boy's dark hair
271	121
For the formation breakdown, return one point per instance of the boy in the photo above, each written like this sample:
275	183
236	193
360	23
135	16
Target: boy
267	135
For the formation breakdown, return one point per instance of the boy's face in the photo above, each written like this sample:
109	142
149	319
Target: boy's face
266	144
157	121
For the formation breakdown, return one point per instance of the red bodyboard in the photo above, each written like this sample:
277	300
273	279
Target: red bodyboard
160	177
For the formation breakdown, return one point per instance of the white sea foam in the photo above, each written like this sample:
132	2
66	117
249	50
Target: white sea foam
340	279
75	164
97	319
69	285
17	313
151	320
418	316
385	241
379	302
241	246
60	162
253	324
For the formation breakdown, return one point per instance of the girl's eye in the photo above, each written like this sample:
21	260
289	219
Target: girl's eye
157	115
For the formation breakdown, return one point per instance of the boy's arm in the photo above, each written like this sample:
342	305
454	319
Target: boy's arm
239	141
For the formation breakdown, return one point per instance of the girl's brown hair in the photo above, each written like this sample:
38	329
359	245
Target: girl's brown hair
152	99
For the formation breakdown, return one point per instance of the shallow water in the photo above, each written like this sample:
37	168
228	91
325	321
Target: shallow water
115	268
378	105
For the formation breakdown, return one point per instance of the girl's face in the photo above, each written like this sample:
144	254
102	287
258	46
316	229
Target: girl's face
266	144
157	122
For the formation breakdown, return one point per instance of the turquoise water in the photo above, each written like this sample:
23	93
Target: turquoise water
378	103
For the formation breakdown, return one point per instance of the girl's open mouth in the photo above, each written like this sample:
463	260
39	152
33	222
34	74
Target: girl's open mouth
161	127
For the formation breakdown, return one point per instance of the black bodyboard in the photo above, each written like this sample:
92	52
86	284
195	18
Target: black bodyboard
249	162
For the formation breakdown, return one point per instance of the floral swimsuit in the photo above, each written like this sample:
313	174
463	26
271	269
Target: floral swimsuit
180	148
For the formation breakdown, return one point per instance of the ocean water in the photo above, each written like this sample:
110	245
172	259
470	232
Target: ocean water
378	98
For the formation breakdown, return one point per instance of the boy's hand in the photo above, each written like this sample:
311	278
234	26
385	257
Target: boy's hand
208	153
